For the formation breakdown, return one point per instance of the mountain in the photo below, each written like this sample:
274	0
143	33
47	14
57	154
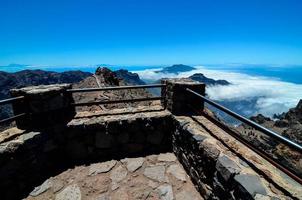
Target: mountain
40	77
36	77
289	125
13	67
208	81
195	77
104	77
19	66
176	69
33	77
129	77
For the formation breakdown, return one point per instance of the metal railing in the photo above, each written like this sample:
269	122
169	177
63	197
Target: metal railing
9	101
253	124
118	100
81	90
282	166
250	122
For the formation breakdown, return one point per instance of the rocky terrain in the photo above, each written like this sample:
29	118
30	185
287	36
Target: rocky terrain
36	77
289	125
104	78
128	77
33	77
194	139
208	81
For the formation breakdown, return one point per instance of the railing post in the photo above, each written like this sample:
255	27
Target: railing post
46	106
177	100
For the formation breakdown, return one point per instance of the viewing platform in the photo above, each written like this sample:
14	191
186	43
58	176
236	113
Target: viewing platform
176	149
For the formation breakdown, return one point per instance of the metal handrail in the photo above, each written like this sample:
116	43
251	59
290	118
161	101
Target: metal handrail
115	88
9	119
10	100
250	122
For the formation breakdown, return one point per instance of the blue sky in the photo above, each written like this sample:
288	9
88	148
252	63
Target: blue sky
150	32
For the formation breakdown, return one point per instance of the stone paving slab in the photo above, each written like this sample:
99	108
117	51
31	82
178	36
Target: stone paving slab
153	177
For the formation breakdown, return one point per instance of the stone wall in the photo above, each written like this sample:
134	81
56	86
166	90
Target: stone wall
179	101
216	170
46	106
56	139
117	135
33	157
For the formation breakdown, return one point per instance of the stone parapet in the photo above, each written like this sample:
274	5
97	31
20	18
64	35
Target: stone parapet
114	135
34	156
45	106
221	173
215	168
56	138
179	101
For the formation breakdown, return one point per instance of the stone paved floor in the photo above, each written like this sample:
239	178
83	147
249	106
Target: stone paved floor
151	177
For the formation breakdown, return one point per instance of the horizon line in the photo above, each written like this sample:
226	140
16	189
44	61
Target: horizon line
144	65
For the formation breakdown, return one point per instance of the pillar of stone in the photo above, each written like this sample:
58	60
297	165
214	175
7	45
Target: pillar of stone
179	101
46	106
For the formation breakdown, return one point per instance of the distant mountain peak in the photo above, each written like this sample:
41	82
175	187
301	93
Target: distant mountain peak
129	77
114	77
299	106
177	68
208	81
16	65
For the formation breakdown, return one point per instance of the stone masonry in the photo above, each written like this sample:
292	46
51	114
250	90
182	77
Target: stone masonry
64	155
46	106
177	100
151	177
34	156
218	173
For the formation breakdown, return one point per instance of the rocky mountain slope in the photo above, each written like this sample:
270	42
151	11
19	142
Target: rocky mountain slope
36	77
129	77
33	77
289	125
208	81
105	78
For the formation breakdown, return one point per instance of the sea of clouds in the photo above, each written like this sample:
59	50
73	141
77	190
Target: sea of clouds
272	95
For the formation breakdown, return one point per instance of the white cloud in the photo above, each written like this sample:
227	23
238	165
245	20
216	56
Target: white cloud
273	95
